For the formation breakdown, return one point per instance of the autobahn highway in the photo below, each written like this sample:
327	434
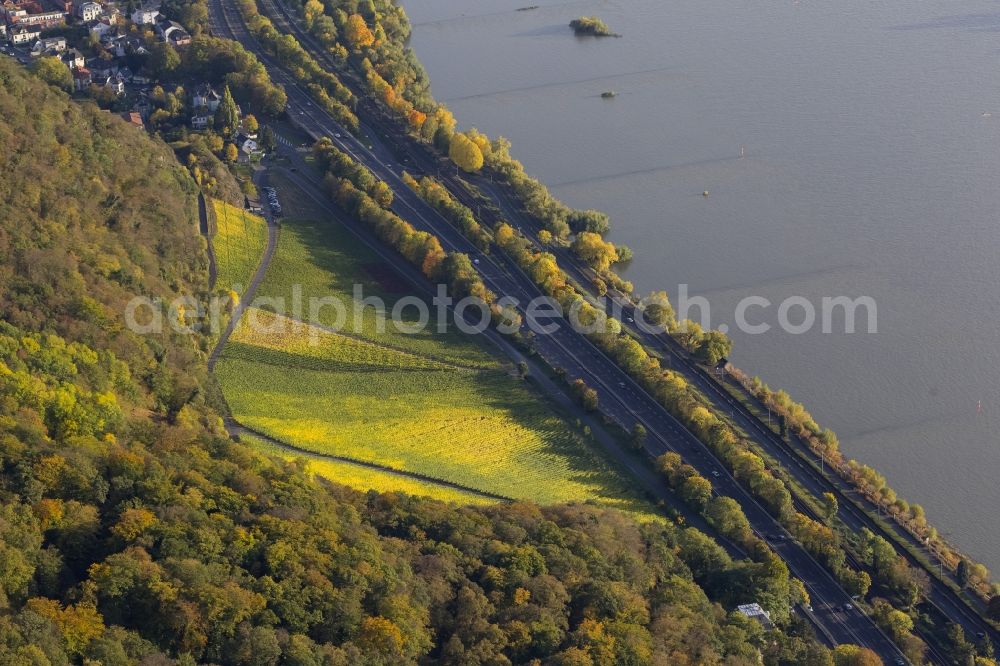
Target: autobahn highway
620	397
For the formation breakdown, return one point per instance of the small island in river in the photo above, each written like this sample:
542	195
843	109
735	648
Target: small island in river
591	26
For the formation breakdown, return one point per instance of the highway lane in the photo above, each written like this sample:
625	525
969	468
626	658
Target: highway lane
620	396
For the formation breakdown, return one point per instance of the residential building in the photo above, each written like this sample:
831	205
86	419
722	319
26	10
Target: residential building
81	79
201	121
24	34
147	16
173	33
134	118
72	59
49	46
89	11
205	96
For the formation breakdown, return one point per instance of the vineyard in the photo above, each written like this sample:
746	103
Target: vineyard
362	477
435	405
325	260
239	242
483	430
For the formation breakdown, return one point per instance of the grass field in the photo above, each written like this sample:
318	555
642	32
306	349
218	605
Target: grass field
438	405
239	242
362	477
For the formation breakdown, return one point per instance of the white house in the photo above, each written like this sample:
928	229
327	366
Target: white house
145	16
72	59
89	11
205	96
200	122
99	27
24	34
49	46
173	33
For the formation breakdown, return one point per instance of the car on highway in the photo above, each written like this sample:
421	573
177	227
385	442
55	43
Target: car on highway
808	607
848	607
715	473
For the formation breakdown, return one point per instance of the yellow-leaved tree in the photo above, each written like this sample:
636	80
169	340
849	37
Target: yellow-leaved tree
465	153
357	32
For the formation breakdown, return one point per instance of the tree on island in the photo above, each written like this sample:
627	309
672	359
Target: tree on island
591	26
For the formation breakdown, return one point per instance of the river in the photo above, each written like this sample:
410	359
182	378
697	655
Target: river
870	134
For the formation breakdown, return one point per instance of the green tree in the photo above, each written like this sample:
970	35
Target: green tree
163	60
52	71
227	116
963	572
830	507
637	439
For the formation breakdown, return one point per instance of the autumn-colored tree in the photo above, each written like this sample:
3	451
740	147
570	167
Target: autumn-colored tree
231	153
312	10
594	250
465	153
358	34
250	124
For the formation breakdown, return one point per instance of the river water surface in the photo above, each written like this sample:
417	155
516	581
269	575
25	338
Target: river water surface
871	139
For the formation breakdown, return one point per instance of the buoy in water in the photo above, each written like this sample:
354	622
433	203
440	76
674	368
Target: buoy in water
705	193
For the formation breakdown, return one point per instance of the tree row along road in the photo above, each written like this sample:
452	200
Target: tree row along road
942	596
620	397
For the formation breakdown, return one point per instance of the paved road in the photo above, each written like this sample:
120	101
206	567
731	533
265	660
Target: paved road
620	397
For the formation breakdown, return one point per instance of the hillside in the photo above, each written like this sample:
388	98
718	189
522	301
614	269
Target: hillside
133	530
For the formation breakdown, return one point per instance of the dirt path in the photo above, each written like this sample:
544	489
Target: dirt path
206	231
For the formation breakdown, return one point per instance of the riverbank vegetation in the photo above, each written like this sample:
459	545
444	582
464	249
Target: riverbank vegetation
323	86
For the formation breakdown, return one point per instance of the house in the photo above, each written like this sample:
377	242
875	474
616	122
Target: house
72	59
101	68
24	34
49	46
89	11
205	96
200	121
64	6
147	16
113	84
100	27
249	146
81	79
31	13
112	15
173	33
133	118
755	612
